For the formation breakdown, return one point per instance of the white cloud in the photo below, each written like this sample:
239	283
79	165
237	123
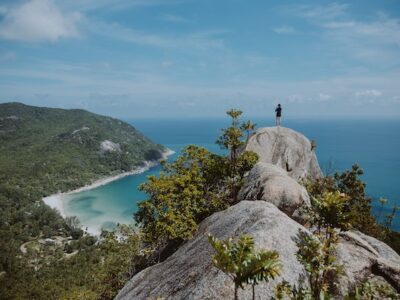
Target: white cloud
38	20
375	41
113	5
368	93
383	31
284	29
319	12
324	97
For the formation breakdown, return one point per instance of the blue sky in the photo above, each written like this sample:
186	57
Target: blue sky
197	58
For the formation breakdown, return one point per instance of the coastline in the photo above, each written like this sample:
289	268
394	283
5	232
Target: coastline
56	201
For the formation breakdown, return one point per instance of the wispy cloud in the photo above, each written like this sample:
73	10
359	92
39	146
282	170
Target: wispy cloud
38	20
199	40
376	42
113	5
284	29
368	93
320	12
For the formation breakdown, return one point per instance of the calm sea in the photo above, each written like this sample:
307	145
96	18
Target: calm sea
373	144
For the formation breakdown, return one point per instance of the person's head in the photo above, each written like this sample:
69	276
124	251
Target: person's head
279	105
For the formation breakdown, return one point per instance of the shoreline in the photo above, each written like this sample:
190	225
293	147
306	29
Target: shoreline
56	201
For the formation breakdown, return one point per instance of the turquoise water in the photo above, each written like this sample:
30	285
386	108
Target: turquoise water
373	144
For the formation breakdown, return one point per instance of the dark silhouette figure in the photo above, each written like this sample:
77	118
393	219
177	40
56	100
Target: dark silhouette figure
278	111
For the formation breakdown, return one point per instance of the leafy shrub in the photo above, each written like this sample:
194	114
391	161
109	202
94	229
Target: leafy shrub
242	263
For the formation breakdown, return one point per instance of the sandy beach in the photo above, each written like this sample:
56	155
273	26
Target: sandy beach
56	201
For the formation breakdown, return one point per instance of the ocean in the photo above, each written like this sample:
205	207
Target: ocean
372	144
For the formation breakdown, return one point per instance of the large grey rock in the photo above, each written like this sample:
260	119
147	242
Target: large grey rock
287	149
365	257
189	273
271	183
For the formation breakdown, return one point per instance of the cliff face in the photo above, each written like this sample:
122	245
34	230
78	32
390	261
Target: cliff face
189	273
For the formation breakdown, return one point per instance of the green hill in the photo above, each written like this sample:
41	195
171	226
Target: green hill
59	150
43	151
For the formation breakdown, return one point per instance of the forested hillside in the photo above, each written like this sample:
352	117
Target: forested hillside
56	149
43	151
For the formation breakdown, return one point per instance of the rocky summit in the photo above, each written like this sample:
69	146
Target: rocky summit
286	148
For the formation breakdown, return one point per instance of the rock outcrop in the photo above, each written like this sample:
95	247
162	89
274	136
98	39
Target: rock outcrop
287	149
365	257
109	146
189	273
271	183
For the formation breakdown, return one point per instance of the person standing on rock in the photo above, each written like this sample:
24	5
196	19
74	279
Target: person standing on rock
278	111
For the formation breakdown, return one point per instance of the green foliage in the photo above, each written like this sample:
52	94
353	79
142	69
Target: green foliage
358	206
94	271
53	150
120	250
316	254
248	127
371	290
242	263
389	218
44	151
185	193
239	162
193	187
329	211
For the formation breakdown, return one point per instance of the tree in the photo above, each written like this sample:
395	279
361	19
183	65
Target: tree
358	206
242	263
183	195
328	211
316	254
231	139
120	252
